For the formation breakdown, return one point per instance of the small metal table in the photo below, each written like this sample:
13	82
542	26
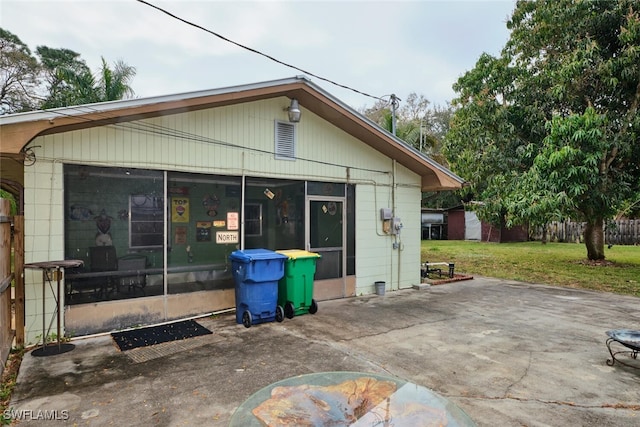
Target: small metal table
52	270
630	341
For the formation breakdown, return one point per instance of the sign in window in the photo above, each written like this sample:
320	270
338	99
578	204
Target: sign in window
224	237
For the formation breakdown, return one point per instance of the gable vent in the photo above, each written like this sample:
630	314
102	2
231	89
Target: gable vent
285	141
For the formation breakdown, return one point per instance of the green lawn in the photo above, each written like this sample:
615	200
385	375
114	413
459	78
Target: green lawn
561	264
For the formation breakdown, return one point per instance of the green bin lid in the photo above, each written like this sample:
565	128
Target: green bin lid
298	253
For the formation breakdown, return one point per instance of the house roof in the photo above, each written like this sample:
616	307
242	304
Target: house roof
17	130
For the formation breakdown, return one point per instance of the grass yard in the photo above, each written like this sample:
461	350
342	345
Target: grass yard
561	264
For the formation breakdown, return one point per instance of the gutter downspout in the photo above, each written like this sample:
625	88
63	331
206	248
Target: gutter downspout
396	234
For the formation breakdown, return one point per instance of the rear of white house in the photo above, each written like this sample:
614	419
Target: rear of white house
154	194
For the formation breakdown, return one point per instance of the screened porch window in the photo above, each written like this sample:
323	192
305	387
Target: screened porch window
147	233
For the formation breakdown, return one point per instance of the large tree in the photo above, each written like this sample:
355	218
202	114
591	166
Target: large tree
55	77
18	75
70	81
115	83
550	128
67	77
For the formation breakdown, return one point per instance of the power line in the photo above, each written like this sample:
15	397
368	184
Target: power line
256	51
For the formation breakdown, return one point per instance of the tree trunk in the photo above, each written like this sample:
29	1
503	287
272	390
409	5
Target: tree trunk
594	239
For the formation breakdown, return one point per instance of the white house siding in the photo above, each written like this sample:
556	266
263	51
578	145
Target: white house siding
44	239
409	199
377	260
224	141
228	146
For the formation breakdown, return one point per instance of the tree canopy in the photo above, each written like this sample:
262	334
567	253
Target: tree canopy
550	128
419	124
18	75
55	77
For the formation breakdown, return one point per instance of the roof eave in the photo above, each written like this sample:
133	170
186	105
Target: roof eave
17	130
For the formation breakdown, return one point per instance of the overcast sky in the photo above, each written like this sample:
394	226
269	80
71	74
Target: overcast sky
378	48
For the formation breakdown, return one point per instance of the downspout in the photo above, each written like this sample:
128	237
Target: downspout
396	236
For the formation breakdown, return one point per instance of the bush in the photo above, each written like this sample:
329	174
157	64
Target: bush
12	201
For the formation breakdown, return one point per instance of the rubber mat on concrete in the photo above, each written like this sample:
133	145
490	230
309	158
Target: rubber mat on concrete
144	354
143	337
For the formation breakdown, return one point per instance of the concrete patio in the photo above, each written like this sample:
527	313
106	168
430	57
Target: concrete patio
507	353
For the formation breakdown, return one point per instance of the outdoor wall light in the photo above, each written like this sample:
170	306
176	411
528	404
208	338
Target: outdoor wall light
294	111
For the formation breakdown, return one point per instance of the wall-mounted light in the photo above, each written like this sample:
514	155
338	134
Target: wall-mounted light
294	111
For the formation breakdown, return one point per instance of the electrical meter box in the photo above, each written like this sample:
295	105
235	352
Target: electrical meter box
385	214
396	225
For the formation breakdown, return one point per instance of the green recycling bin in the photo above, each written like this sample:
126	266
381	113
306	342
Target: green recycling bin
295	288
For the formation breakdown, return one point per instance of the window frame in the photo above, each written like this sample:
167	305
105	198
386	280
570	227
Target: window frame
253	220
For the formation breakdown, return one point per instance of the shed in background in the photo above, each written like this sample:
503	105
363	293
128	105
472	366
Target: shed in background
465	225
434	224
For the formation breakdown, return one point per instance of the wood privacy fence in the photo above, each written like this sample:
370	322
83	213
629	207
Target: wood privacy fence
6	278
619	232
11	307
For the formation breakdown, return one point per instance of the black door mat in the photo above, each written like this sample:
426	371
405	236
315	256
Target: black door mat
143	337
52	348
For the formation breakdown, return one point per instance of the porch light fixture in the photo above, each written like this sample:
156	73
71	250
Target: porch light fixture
294	111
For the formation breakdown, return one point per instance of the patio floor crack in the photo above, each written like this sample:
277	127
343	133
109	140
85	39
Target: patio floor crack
523	376
632	407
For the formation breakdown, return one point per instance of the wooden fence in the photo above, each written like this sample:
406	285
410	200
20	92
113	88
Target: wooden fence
6	278
11	307
620	232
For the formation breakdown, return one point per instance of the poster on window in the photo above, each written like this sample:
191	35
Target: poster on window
179	209
180	235
232	220
203	231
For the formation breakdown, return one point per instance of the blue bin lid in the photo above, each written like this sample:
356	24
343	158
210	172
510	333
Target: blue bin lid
249	255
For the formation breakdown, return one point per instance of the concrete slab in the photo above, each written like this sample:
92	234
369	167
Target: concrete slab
507	353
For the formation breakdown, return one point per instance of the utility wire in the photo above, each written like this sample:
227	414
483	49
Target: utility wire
256	51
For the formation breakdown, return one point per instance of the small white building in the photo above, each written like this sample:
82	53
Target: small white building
154	194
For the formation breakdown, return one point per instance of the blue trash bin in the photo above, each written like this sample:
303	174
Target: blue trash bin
256	273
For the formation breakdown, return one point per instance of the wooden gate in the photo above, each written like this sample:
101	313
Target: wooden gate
11	308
